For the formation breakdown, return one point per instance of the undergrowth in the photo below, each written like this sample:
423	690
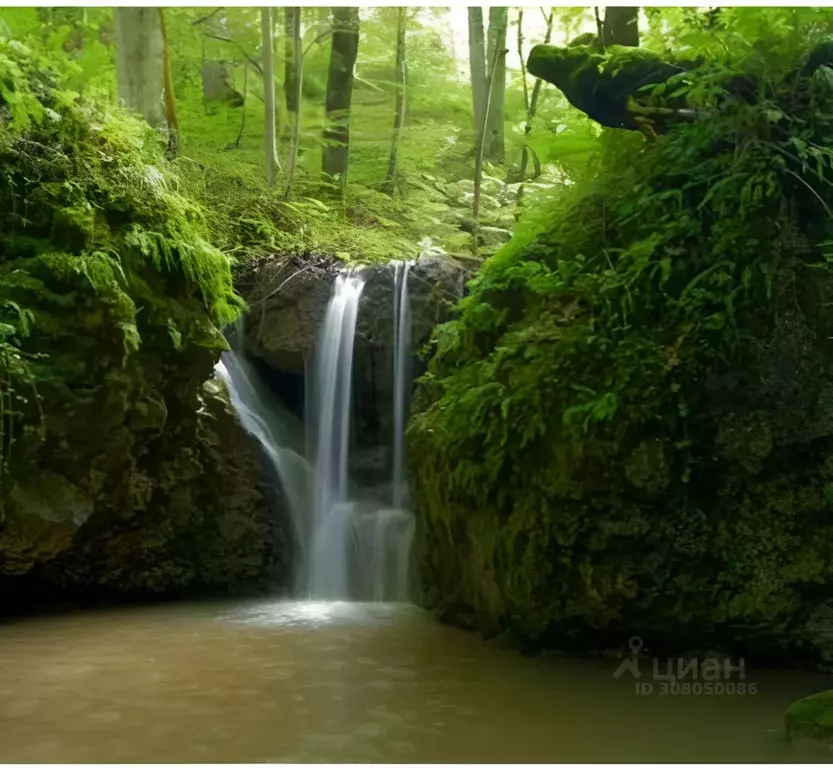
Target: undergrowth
95	238
628	426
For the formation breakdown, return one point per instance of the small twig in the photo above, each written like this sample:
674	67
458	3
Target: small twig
251	61
325	33
207	18
818	197
278	289
369	84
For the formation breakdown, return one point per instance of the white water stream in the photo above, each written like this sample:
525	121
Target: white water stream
347	550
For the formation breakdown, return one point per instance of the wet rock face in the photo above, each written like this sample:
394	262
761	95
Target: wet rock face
288	301
186	511
434	284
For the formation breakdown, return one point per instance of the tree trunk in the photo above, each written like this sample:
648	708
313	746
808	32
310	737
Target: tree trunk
297	70
140	72
477	66
345	48
290	76
277	21
168	92
532	102
399	108
495	145
269	97
478	162
243	106
600	30
621	26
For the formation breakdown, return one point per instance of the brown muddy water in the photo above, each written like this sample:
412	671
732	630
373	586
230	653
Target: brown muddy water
277	681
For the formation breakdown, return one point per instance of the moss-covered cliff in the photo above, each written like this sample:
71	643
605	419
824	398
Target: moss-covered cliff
629	426
118	468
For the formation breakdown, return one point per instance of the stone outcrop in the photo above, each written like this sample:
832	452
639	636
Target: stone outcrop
121	472
627	430
288	299
190	510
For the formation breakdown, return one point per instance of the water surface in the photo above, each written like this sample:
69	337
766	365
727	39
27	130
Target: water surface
348	682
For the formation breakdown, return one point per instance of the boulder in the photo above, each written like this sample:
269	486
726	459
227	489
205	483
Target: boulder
288	299
193	512
122	474
435	283
627	429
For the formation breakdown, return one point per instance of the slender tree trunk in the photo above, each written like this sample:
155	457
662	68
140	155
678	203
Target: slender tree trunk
170	103
142	68
243	106
599	27
495	144
290	68
345	48
297	69
478	162
531	102
272	163
621	26
399	108
277	22
477	65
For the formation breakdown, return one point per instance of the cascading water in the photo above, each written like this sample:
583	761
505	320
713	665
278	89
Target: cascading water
387	544
328	566
359	550
401	376
347	549
270	424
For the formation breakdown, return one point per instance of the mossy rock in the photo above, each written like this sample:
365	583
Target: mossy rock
811	718
626	430
119	472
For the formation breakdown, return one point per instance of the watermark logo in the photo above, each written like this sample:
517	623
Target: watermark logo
684	677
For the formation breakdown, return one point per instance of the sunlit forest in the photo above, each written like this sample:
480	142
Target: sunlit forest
416	384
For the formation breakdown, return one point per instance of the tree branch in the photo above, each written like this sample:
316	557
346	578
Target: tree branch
242	50
207	18
325	33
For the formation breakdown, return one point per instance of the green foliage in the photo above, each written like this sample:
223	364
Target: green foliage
94	241
811	718
627	426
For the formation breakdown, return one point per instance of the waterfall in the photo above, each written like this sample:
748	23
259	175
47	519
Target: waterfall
360	549
263	417
328	574
349	546
401	376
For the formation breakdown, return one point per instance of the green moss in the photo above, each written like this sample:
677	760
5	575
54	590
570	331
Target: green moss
252	220
99	254
119	473
811	718
600	83
627	427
